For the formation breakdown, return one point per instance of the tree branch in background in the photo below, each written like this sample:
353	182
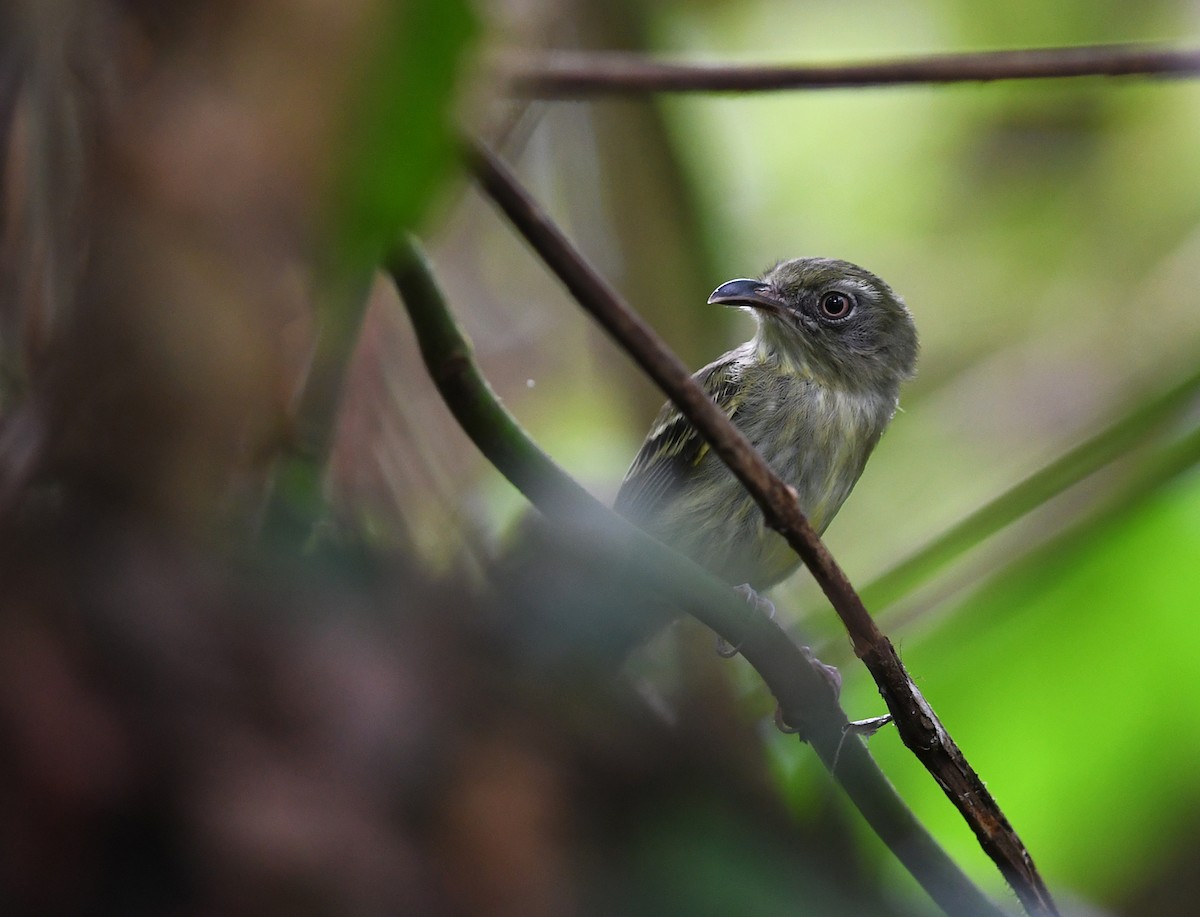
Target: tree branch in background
918	725
573	74
800	687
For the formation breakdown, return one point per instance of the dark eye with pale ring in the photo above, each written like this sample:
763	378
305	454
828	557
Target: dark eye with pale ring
836	304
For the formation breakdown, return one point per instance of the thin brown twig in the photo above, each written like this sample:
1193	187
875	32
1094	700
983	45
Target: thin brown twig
916	721
562	74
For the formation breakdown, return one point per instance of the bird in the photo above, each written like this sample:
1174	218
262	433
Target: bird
813	390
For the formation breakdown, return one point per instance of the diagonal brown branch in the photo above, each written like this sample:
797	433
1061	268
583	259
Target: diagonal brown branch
574	74
790	674
918	725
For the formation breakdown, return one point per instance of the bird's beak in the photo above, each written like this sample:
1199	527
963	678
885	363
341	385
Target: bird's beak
752	293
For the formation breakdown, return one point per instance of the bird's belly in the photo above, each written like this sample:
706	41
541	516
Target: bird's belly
736	544
821	454
822	466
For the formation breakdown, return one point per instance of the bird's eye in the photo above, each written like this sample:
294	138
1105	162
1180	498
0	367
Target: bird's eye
836	304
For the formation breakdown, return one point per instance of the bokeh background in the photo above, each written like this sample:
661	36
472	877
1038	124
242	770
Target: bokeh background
195	197
1044	233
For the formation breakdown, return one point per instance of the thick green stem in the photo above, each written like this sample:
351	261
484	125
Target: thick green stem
803	692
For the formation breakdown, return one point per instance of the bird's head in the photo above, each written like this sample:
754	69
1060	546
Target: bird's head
829	319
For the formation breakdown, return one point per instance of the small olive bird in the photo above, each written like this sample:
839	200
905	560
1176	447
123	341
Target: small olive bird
813	391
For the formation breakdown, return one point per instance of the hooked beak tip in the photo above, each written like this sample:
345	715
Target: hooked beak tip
752	293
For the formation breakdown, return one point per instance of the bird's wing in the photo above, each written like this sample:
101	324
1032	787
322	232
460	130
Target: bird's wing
673	447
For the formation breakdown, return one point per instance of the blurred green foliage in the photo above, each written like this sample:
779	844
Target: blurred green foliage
1046	235
402	132
1068	679
400	152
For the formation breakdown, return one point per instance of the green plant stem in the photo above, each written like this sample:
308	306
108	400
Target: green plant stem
1158	470
1080	462
918	724
803	693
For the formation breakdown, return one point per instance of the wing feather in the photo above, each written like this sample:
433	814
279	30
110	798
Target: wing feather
673	447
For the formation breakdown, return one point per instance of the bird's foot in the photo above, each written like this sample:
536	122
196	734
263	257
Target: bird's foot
834	678
756	600
829	672
759	602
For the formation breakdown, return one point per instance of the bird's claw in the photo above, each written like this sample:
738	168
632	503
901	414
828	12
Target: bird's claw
829	672
756	600
725	649
760	602
782	724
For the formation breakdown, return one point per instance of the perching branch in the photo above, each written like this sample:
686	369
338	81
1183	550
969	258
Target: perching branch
918	725
574	74
803	693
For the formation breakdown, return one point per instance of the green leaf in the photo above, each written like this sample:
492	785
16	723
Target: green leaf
402	146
